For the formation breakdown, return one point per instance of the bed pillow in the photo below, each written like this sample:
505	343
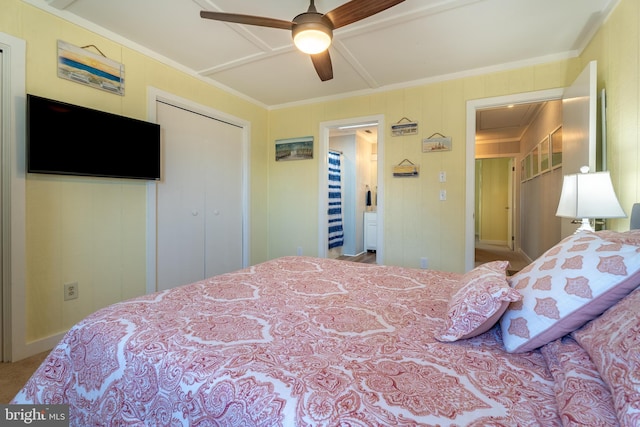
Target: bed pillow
583	397
630	237
613	343
482	296
570	284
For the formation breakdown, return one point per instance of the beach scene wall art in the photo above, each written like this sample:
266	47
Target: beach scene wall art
82	66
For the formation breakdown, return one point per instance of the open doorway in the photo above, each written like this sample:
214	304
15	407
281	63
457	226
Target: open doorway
518	181
495	213
577	133
499	139
495	126
357	145
494	202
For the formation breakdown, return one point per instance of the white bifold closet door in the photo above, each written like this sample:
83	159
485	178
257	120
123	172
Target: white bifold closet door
199	198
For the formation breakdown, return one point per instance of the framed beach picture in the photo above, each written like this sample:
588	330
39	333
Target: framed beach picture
545	162
535	161
294	149
556	147
81	66
433	144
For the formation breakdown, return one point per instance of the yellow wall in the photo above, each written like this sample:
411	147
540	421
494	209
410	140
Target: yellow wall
92	230
616	47
416	223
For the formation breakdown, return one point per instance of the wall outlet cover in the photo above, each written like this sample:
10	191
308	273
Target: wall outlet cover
70	291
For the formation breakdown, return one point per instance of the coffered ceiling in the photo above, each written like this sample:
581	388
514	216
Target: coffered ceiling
504	124
415	42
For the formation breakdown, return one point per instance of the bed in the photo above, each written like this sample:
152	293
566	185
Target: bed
303	341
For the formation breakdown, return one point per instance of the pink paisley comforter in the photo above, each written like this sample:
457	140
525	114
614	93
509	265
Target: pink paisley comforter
296	341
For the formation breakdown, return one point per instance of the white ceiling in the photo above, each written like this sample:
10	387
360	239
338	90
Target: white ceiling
504	124
415	42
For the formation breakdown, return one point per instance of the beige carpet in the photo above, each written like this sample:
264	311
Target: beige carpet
13	376
487	253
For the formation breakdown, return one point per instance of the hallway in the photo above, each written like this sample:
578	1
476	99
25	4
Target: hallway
486	253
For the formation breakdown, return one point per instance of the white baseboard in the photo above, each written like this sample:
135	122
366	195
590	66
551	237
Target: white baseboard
493	242
35	347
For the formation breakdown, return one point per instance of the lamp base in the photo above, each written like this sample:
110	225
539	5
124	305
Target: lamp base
585	225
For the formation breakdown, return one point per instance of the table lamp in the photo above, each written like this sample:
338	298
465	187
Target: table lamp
588	196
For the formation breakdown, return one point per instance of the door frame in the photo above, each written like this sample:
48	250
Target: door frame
511	196
323	181
510	192
472	106
154	95
13	206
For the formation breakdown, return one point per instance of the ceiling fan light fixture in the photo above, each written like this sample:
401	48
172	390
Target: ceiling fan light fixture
312	33
312	41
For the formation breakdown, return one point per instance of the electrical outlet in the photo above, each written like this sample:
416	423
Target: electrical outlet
424	263
70	291
299	251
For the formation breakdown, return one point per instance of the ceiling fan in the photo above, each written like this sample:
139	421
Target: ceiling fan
312	31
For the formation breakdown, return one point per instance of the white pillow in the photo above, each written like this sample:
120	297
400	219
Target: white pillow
570	284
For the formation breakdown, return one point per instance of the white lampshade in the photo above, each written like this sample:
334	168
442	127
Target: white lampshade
312	39
589	195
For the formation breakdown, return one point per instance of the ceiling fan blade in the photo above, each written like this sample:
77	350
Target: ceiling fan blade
355	10
322	63
247	19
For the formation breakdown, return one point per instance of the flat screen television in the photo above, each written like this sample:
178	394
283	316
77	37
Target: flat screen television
67	139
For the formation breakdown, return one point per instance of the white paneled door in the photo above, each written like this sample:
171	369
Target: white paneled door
199	198
579	123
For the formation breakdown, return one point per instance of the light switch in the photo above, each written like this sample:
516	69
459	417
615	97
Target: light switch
443	195
424	263
443	176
